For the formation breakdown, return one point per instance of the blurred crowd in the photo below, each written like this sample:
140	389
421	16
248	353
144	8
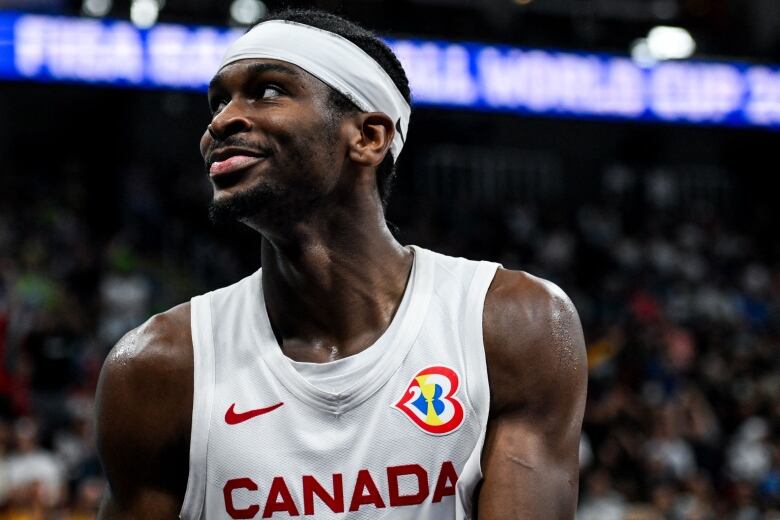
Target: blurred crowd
679	295
680	306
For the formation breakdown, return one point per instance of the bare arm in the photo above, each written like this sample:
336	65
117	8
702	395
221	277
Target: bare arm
538	379
143	411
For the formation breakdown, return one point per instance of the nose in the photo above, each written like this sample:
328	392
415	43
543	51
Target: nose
230	121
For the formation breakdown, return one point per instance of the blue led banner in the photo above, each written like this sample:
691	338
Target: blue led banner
587	85
442	74
49	48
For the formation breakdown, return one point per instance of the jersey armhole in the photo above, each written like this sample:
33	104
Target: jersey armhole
476	364
202	398
476	376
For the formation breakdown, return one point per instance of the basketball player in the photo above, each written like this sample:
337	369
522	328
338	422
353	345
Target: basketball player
351	377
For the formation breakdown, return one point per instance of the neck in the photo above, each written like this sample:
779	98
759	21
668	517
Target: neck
333	285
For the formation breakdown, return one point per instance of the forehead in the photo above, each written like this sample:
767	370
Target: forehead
252	68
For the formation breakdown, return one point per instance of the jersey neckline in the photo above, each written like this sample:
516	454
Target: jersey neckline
394	344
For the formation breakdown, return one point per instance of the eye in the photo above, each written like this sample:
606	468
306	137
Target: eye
216	104
269	91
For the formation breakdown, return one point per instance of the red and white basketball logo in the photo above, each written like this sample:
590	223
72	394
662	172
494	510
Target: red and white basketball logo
429	401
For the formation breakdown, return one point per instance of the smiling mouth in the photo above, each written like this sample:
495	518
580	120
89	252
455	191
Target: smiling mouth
233	164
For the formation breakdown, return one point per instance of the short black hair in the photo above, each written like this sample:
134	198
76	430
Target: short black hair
374	47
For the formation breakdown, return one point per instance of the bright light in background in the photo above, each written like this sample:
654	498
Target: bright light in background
96	8
663	43
144	13
247	12
670	43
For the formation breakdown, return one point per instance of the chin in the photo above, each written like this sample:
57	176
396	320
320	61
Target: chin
265	206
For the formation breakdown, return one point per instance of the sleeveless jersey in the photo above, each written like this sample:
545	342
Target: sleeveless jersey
394	432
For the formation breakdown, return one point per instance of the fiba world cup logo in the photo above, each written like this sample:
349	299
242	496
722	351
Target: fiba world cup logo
429	401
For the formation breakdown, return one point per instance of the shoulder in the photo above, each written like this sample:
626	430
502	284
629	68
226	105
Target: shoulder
144	396
534	345
163	337
158	352
143	415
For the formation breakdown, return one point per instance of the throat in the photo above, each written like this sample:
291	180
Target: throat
334	306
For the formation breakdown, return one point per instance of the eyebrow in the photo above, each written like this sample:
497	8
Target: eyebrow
256	69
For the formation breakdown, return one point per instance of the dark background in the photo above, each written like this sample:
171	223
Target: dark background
665	237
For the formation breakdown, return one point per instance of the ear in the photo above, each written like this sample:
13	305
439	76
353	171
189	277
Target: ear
371	144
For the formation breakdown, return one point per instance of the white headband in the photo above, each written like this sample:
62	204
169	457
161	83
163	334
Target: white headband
335	61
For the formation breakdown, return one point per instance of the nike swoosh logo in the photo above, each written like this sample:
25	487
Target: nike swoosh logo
233	417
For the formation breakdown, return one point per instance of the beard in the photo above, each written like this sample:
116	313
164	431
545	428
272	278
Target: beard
270	206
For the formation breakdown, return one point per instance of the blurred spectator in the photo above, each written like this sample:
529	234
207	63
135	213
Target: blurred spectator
749	454
125	295
35	476
601	501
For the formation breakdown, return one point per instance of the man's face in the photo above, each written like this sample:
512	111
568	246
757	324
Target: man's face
275	152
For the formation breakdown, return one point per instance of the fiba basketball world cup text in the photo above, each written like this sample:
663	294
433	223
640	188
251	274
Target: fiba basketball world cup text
365	493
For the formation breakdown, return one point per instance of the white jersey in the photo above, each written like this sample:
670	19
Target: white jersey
395	431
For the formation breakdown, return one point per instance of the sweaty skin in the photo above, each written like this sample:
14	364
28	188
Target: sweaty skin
333	277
